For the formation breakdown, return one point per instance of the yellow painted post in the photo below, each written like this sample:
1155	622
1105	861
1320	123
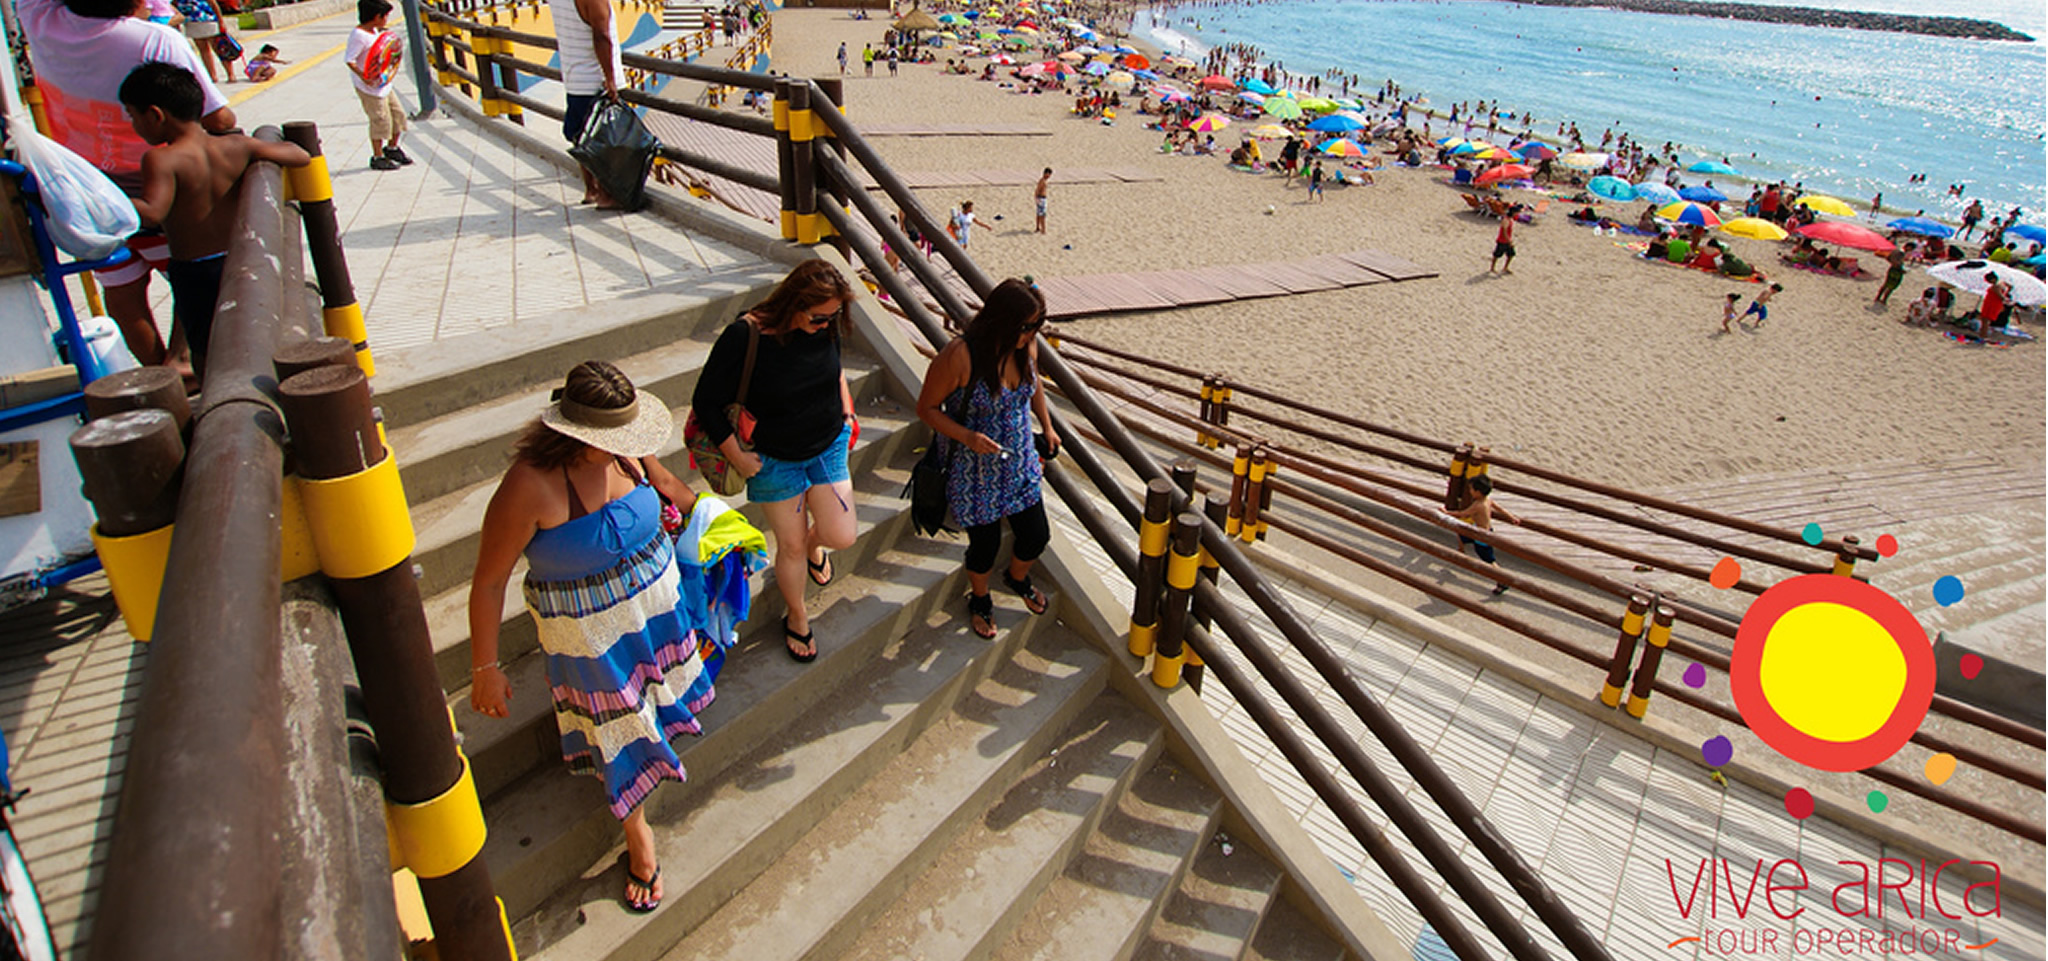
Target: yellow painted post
1220	407
1646	672
1240	473
1206	413
785	159
1624	650
129	467
803	136
341	315
1254	496
1266	491
1181	570
1454	492
1845	559
1152	538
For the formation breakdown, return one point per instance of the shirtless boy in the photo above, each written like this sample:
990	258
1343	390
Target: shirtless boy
191	187
1480	513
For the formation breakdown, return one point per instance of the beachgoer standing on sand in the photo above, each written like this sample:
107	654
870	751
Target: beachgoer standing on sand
1504	246
1038	198
1480	513
1728	312
1315	181
1760	306
1974	213
842	58
867	59
963	223
1893	277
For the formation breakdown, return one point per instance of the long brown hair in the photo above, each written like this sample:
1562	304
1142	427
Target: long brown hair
1011	308
813	282
593	383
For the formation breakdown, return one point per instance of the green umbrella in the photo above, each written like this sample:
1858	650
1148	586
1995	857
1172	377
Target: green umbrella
1283	108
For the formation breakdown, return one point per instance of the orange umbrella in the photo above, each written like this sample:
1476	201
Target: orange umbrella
1136	61
1217	81
1505	172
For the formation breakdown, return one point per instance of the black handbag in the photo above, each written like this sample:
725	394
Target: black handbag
927	488
619	151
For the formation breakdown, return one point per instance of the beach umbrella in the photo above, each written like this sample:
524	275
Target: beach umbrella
1073	56
1002	59
917	21
1449	141
1178	61
1491	152
1270	131
1086	50
1136	61
1260	87
1317	104
1336	123
1536	151
2035	261
1347	103
948	35
1252	98
950	18
2029	232
1341	148
1466	148
1216	81
1119	78
1504	172
1120	48
1713	167
1282	108
1144	74
1922	226
1847	235
1584	161
1210	123
1755	227
1656	193
1825	205
1612	188
1702	195
1687	212
1975	277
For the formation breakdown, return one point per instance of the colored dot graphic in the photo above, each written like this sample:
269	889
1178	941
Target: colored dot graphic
1948	590
1799	804
1877	801
1718	751
1696	676
1940	768
1831	672
1971	665
1811	534
1887	545
1725	574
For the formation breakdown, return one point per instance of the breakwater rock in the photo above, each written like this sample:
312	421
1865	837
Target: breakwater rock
1961	27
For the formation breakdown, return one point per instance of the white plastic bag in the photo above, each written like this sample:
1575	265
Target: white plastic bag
103	337
88	217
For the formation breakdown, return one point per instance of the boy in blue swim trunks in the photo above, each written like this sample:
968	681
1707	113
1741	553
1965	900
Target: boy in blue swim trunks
191	187
1760	306
1480	513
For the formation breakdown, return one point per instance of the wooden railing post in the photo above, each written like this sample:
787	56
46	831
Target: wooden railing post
1152	537
1624	650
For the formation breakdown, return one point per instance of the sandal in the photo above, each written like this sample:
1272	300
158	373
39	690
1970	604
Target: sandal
821	571
804	638
645	888
1034	599
981	616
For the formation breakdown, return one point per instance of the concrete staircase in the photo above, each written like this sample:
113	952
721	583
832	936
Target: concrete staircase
917	792
688	16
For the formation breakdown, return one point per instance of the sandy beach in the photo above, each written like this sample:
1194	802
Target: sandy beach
1585	359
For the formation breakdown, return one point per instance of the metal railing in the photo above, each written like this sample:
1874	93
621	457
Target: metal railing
814	180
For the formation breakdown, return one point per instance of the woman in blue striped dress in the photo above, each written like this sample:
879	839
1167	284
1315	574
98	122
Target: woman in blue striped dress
580	501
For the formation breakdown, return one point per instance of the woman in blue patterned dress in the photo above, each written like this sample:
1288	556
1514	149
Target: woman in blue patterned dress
580	501
982	394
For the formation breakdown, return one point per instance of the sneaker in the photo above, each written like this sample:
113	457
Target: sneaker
381	162
393	153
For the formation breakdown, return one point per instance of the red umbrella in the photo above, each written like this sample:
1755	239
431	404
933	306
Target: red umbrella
1847	235
1505	172
1217	81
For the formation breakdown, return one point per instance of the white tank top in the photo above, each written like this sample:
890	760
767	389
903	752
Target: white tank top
580	73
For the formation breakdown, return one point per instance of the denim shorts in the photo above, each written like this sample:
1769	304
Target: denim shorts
780	480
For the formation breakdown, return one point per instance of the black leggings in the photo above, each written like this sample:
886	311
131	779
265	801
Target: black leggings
1029	528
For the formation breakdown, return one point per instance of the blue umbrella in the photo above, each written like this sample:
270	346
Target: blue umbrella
1260	87
1336	123
1702	195
1612	188
1712	167
1095	69
2035	261
1922	226
1656	193
2030	232
1536	151
1144	75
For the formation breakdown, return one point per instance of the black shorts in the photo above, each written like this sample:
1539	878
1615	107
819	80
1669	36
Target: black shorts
195	289
1503	249
577	115
1480	548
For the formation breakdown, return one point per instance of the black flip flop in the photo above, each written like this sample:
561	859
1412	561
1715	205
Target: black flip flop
804	638
1034	599
822	567
645	884
983	607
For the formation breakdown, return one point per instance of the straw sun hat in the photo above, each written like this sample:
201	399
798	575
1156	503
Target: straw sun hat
636	430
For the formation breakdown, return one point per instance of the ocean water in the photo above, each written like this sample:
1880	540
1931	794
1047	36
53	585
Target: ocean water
1847	112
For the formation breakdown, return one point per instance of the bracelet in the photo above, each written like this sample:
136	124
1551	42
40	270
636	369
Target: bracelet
493	666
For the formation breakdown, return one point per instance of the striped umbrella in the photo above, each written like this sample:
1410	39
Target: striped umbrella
1687	212
1341	148
1210	123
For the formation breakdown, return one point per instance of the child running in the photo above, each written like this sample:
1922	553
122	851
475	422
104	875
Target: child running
1480	513
191	187
1761	305
1728	313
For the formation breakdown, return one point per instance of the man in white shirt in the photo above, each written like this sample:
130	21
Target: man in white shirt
588	41
81	51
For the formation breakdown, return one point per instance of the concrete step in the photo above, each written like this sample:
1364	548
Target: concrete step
418	385
1287	936
1217	909
1102	907
966	904
455	483
878	505
783	744
816	899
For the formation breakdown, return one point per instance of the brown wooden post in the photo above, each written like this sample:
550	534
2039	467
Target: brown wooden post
340	314
835	96
1207	413
1266	490
1181	570
1653	655
1845	559
1152	537
1254	496
1624	650
1455	495
364	532
1240	478
1219	406
305	355
803	172
508	80
131	463
141	388
785	158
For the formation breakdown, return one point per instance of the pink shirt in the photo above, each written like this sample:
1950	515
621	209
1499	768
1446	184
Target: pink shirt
80	63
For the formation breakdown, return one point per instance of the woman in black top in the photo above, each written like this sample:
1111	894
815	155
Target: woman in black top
803	422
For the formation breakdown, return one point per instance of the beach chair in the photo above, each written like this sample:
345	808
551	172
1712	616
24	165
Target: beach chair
1496	207
1474	202
1461	177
